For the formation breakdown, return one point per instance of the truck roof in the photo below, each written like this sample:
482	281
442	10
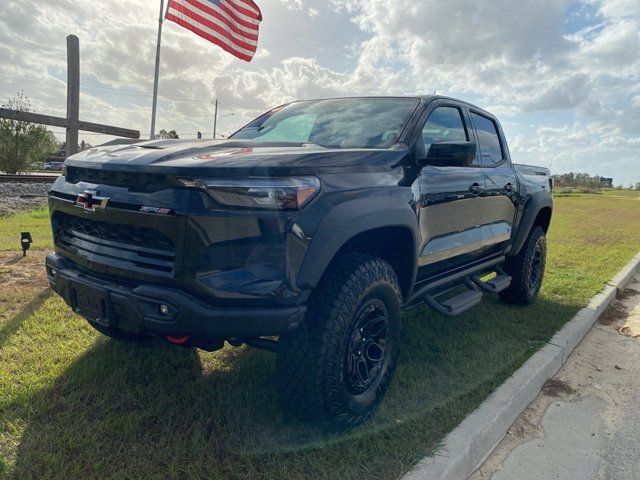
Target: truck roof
423	97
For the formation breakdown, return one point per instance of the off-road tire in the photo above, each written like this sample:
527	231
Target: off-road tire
117	333
522	268
314	361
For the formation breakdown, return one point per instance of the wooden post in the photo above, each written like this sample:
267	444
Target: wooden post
73	93
64	122
72	122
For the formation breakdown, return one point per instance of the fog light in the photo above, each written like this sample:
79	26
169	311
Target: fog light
164	310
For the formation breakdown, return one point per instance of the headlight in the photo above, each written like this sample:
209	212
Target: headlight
276	193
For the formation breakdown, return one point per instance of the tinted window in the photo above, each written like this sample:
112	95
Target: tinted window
488	138
444	125
335	123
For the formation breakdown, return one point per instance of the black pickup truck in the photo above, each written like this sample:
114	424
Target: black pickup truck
318	223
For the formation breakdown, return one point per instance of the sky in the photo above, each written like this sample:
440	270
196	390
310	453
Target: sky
562	76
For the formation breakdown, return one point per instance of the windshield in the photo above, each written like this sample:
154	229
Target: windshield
334	123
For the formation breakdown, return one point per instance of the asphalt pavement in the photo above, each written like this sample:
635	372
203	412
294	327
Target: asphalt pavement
585	424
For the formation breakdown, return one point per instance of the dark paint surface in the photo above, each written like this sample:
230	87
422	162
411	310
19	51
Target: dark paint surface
237	157
227	256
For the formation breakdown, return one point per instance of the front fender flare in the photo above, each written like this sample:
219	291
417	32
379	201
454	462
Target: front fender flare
345	221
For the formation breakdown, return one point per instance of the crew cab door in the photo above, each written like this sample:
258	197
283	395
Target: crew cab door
501	190
450	202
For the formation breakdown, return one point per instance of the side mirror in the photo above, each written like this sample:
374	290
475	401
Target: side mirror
450	154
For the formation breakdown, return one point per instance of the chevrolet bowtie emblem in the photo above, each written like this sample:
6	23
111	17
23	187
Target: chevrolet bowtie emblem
89	201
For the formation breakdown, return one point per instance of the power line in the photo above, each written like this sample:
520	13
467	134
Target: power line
94	134
120	91
239	105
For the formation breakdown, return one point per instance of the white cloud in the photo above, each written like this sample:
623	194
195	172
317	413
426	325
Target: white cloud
300	5
516	58
579	87
620	8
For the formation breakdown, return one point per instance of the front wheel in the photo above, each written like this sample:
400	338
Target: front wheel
526	270
335	369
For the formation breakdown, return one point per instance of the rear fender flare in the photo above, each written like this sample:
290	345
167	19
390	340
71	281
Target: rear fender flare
537	202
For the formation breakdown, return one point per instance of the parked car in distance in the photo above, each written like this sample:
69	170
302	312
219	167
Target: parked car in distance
55	166
54	162
319	223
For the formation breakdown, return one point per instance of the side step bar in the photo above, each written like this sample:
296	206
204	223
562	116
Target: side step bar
469	298
455	305
496	284
456	278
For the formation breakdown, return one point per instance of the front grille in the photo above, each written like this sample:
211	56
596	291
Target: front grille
138	182
127	247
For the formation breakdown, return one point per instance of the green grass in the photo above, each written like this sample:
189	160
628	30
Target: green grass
76	405
35	221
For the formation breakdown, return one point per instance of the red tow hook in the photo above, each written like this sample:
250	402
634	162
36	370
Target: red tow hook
177	340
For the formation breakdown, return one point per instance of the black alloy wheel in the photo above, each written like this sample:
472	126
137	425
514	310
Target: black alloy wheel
526	269
535	272
335	368
367	348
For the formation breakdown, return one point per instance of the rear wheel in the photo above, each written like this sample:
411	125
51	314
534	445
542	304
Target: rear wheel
335	368
526	270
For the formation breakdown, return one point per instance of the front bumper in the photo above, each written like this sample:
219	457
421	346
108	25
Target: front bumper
136	308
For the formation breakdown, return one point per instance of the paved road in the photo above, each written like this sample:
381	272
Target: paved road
585	424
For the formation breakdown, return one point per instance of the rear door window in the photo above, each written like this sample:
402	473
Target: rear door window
488	139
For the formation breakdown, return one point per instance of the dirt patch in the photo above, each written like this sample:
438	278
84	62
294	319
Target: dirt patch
631	326
613	314
21	280
16	270
556	388
630	331
627	293
596	240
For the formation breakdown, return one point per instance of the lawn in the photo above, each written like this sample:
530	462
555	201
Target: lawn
77	405
35	221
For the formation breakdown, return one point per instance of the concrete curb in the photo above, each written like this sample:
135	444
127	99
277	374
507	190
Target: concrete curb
471	442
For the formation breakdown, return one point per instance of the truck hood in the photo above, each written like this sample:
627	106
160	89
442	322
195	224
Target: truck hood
235	158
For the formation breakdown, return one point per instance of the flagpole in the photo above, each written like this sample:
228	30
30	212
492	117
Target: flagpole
157	72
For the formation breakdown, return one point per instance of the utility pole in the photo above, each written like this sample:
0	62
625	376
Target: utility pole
157	71
73	93
215	118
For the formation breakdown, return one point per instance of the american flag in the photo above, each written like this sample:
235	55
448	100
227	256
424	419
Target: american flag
230	24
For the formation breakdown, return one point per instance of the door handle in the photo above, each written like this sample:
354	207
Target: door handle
476	188
509	187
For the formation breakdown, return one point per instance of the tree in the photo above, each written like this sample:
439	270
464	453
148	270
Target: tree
638	186
578	180
167	135
23	145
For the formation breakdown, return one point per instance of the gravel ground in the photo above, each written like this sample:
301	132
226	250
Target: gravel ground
15	197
